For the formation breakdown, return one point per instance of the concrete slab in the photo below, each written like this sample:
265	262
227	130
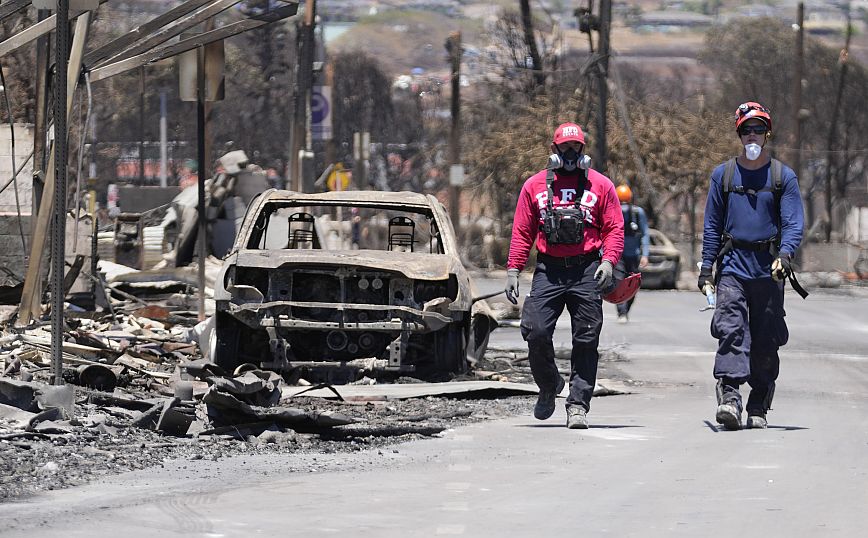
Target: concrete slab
413	390
493	389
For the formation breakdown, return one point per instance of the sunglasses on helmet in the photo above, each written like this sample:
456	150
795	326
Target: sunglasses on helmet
755	129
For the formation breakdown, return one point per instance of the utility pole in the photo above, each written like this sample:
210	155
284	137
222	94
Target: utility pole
456	171
202	174
303	82
602	83
833	127
330	147
797	99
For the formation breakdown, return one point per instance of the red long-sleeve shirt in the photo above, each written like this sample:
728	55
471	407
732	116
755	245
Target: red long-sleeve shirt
604	224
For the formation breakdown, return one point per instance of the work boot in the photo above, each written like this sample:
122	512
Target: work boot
729	414
756	420
577	418
545	403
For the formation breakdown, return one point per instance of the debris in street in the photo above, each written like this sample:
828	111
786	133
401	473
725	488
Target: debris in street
139	390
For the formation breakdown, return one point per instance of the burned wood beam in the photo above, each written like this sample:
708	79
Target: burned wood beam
34	32
116	46
11	7
229	30
215	8
30	308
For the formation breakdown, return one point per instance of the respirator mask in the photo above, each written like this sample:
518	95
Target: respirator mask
568	161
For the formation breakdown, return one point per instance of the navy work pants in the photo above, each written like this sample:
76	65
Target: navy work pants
629	265
553	288
749	326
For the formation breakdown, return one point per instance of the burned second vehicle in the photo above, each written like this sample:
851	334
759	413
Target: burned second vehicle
357	279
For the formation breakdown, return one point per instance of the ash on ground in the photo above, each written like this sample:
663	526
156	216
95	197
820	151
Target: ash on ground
139	396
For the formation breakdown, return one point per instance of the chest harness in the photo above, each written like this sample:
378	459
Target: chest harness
771	245
564	225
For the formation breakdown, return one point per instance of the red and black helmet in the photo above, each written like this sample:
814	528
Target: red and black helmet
624	290
751	110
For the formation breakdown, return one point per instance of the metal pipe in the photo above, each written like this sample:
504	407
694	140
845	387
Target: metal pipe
58	230
200	131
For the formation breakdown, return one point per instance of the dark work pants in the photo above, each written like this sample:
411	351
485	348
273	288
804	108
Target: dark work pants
749	325
629	265
554	288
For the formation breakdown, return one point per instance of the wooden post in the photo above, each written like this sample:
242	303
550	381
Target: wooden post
30	308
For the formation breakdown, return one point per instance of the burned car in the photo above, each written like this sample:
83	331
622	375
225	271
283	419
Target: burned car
334	281
664	262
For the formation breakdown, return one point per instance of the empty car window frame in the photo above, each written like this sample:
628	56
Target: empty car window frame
333	228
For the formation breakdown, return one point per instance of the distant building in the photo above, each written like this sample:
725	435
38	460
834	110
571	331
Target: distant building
670	20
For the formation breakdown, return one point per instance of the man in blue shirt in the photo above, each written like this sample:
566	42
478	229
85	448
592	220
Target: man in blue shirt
636	242
753	226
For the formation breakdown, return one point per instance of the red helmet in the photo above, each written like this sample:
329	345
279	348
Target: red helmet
567	132
625	289
752	109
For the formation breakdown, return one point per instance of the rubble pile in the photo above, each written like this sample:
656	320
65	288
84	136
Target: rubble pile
139	392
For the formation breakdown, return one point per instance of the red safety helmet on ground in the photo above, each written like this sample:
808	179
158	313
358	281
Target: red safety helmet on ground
568	132
750	110
625	195
624	290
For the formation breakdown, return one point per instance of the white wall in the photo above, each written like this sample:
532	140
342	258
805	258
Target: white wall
857	225
23	146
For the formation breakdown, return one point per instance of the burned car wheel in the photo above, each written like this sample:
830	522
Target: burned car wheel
441	354
224	342
232	343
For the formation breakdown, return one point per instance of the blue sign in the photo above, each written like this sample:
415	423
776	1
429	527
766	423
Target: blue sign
321	113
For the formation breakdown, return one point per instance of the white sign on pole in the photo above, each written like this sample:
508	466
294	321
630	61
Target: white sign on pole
321	113
456	175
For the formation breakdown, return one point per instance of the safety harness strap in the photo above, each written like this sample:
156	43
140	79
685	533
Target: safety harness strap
580	191
772	245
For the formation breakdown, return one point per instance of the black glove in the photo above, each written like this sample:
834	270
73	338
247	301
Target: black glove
603	275
512	285
782	267
704	278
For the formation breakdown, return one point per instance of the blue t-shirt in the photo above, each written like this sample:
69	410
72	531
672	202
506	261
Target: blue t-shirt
751	217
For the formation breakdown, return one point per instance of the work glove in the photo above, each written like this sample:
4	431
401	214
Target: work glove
781	267
705	278
603	275
512	285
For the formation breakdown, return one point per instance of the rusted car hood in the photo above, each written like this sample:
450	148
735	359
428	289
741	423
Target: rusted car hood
412	264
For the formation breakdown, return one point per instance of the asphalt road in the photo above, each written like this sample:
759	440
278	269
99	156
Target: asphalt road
653	463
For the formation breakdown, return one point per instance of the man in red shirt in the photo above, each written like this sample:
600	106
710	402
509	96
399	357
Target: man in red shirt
573	215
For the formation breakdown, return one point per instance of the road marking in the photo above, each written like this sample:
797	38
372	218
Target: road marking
455	506
451	529
457	486
611	435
